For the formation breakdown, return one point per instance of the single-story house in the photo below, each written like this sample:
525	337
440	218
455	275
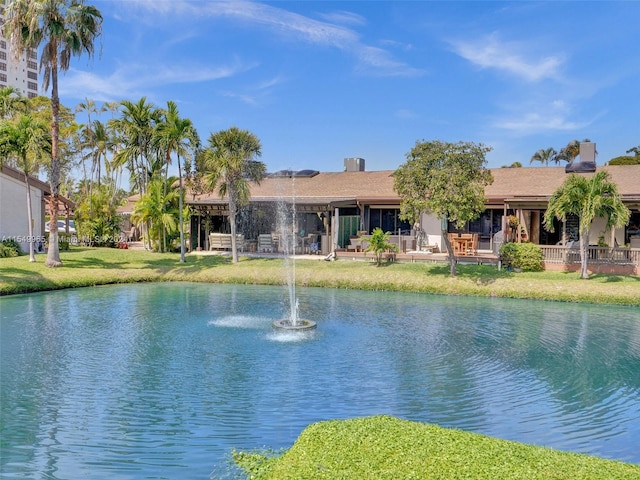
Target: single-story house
14	221
332	207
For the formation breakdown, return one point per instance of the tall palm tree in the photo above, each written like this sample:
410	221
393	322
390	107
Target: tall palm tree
588	198
177	135
88	106
97	141
28	139
64	28
136	127
229	165
544	156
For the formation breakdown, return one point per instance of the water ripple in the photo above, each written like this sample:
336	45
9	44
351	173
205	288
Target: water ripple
144	382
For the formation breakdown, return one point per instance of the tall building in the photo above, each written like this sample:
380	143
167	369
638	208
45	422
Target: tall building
22	73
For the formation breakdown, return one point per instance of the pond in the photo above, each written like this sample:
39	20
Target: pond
164	380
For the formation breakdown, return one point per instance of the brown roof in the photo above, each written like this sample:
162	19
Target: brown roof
323	188
510	184
541	182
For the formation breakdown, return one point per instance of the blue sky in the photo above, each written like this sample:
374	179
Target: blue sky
321	81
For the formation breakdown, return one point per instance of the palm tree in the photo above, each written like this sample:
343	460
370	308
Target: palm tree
97	140
177	135
88	106
229	165
570	152
11	102
157	210
136	127
29	141
588	198
66	28
544	156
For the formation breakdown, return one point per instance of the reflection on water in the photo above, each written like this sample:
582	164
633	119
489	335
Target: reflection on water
163	380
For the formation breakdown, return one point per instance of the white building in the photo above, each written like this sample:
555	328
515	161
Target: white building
14	221
22	73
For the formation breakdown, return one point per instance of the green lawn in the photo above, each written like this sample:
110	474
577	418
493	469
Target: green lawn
97	266
384	447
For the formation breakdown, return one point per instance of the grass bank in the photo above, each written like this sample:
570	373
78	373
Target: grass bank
100	266
385	447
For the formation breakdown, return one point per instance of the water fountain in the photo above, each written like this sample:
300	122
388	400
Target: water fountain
288	232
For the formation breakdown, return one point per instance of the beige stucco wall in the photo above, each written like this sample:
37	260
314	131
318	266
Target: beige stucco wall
432	226
599	227
13	211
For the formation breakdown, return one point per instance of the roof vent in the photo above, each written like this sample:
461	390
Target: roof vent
354	164
587	161
291	173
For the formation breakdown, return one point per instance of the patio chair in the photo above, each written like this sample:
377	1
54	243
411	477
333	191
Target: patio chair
265	243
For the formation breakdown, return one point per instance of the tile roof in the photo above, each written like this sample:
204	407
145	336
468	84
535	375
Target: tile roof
543	181
325	187
377	186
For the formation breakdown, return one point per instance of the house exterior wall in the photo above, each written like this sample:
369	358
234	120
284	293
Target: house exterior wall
13	211
432	227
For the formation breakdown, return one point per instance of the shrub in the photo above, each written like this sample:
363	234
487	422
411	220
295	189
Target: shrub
10	248
379	244
525	256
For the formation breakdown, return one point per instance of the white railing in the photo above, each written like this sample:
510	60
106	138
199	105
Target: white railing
595	255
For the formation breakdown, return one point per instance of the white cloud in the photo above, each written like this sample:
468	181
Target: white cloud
131	81
510	57
290	25
344	17
257	94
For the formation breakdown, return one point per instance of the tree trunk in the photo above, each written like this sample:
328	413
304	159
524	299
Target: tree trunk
584	243
452	257
30	240
232	221
53	254
182	260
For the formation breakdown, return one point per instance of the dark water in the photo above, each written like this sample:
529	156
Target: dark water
164	380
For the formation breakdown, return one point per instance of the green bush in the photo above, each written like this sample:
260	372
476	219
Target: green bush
525	256
10	248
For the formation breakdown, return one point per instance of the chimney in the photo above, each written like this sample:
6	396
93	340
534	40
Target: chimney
354	164
587	161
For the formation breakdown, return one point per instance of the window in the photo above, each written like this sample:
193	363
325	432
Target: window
32	65
3	44
388	220
32	86
32	75
3	55
3	77
32	54
3	66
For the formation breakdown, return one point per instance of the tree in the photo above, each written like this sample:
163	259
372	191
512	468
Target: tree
177	135
544	156
625	160
29	141
229	164
11	102
157	210
136	128
588	198
379	244
570	152
447	179
66	28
